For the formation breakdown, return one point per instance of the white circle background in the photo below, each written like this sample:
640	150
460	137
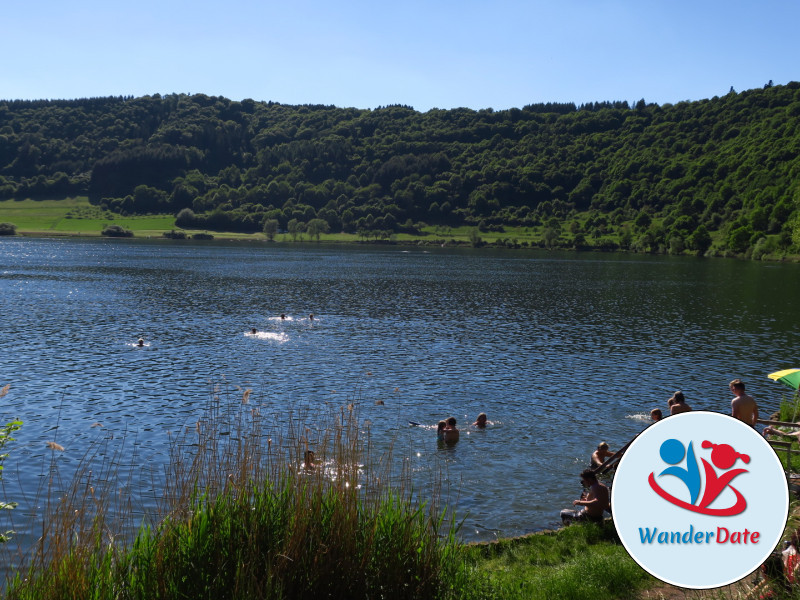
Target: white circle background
636	505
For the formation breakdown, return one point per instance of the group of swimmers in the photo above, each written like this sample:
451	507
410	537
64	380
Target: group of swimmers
448	433
254	331
596	500
743	406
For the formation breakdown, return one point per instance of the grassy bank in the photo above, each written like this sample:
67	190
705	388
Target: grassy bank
579	562
76	217
241	514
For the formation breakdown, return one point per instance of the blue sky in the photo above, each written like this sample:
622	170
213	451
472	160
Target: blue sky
434	53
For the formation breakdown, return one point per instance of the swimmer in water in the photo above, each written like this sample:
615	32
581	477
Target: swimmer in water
140	343
283	317
440	430
308	459
656	414
600	455
451	433
311	317
481	421
254	331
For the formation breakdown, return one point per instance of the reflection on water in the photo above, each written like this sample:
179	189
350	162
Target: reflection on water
560	350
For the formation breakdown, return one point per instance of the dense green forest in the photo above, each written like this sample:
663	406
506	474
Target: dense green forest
650	178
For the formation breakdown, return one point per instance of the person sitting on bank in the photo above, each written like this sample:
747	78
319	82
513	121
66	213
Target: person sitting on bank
481	421
768	430
677	404
656	414
594	503
451	433
600	455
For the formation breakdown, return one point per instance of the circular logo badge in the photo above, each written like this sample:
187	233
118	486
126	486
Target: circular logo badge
700	500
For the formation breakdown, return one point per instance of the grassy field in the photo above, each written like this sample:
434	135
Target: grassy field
75	216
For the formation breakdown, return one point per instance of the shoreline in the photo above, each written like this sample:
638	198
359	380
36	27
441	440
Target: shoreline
442	242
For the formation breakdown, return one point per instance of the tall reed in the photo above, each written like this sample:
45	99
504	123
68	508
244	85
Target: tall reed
241	516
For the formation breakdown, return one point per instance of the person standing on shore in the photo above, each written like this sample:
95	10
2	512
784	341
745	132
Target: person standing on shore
743	406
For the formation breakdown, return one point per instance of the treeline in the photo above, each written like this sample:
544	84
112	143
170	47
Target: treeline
605	174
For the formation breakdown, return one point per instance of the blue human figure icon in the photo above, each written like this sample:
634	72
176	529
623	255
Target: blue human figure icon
672	453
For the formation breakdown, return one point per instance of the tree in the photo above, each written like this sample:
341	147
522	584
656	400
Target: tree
295	228
315	227
271	228
8	229
700	240
475	238
739	239
550	237
185	217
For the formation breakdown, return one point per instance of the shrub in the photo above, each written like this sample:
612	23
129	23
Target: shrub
8	229
116	231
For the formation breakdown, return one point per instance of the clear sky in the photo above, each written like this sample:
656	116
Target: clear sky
424	53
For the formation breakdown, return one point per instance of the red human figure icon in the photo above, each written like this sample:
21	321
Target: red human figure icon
724	457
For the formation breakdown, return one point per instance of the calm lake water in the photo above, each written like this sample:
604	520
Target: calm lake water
562	350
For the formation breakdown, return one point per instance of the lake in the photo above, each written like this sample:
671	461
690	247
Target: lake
561	350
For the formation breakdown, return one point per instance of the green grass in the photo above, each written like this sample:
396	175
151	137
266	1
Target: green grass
583	561
75	216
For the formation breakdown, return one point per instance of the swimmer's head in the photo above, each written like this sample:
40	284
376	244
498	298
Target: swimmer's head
679	397
656	414
451	421
441	425
140	342
253	330
602	446
311	317
481	420
283	316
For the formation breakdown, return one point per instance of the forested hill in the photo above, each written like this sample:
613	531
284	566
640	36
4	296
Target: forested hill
647	177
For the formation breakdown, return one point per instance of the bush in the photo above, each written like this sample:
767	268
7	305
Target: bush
175	235
116	231
8	229
202	236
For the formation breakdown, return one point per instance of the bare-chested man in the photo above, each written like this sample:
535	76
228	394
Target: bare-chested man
677	404
600	455
743	406
594	502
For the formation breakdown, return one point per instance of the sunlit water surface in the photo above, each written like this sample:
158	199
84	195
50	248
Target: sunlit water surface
561	350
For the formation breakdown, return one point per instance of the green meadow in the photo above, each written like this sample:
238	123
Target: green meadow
75	216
